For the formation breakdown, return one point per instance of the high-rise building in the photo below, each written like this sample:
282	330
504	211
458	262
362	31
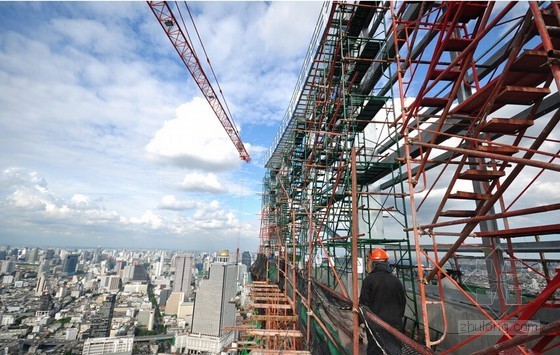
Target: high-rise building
163	296
101	321
246	258
33	255
49	254
41	281
7	267
183	273
159	266
44	267
173	302
119	265
212	309
242	274
70	264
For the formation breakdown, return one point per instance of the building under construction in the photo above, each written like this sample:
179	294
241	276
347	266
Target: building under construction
428	129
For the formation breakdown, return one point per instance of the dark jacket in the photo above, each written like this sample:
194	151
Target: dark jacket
384	294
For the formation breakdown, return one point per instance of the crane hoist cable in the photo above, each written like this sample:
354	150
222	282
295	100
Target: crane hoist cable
207	59
163	13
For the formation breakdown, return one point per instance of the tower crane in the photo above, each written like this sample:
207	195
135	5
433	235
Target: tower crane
170	26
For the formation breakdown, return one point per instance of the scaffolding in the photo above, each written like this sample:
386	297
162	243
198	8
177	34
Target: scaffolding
411	128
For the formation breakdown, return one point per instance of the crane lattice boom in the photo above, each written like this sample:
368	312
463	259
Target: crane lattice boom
171	27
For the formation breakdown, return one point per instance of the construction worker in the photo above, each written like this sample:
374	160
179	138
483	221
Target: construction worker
383	293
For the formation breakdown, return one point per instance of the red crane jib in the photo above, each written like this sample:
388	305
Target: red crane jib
170	26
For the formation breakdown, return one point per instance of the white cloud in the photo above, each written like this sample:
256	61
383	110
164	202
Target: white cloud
80	201
278	35
28	208
170	202
194	140
29	193
213	216
149	219
202	183
91	35
26	199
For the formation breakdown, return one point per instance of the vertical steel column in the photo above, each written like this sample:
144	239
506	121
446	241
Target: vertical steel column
355	234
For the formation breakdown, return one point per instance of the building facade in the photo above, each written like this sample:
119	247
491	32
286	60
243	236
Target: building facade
183	273
70	264
146	318
109	345
101	322
212	309
246	258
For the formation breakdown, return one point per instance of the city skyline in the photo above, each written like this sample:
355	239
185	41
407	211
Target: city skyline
101	301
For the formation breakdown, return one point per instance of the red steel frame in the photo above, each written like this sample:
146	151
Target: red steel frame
448	26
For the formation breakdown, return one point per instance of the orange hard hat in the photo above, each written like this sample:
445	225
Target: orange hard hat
378	254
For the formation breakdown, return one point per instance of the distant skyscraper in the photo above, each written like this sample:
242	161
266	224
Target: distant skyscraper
70	264
33	255
7	267
183	273
119	265
159	266
163	296
41	281
49	254
212	309
44	267
246	258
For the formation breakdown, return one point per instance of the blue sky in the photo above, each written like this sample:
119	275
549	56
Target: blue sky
105	139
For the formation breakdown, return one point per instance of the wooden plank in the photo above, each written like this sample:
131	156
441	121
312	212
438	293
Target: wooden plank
272	299
282	333
434	101
270	306
458	213
506	125
481	175
521	95
521	232
498	149
465	195
262	317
